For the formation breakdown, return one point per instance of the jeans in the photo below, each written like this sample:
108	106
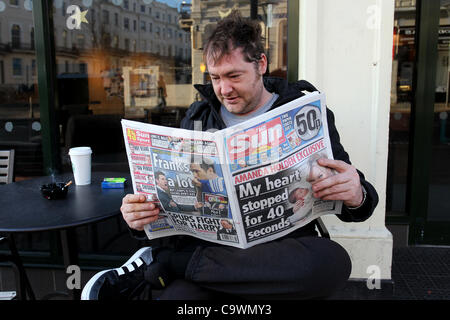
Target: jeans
289	268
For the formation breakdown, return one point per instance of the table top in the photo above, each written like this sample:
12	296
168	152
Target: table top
24	209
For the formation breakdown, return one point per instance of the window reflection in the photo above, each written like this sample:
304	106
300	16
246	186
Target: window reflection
19	101
113	58
439	210
403	54
139	60
135	59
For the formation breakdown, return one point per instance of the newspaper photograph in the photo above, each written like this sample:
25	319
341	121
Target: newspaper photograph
239	186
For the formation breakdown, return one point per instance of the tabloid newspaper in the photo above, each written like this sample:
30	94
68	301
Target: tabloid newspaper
240	186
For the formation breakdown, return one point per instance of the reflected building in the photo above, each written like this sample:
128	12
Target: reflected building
118	34
205	15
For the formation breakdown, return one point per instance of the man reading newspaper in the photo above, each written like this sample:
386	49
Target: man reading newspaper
298	265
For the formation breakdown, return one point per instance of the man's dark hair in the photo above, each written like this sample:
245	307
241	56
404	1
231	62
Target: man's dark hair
158	174
234	32
207	163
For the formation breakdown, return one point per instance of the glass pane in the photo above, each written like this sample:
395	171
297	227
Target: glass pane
439	210
139	60
20	127
273	19
401	99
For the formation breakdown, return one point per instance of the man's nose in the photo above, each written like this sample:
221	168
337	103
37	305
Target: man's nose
225	88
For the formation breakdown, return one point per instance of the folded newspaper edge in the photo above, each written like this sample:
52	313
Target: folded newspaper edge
240	186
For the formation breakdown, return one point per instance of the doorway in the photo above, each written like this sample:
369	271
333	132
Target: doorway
419	140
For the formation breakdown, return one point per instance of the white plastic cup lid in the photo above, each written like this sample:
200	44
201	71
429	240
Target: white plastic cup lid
80	151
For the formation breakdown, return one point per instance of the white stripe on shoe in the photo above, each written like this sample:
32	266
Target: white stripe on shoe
133	262
139	262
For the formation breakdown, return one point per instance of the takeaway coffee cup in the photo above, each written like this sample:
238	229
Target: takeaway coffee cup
81	164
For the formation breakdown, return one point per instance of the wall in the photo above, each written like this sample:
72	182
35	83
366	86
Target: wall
346	52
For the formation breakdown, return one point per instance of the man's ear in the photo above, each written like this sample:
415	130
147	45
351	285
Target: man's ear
262	64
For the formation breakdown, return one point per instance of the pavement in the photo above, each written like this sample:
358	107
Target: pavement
418	273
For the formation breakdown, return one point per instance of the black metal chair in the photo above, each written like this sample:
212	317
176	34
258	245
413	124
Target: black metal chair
321	228
23	286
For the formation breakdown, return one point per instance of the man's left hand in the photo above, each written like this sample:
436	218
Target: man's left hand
345	185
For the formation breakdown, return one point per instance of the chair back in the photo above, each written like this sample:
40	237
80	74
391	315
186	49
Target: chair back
6	166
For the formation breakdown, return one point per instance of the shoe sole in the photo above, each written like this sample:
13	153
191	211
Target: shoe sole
88	287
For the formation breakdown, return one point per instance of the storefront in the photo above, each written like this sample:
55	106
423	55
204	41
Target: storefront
419	144
68	70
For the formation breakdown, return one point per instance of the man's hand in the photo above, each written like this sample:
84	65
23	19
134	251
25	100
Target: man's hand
345	185
137	212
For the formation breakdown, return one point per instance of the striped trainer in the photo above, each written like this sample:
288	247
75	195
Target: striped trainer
134	280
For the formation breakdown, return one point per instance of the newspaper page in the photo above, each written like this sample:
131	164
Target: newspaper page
272	160
181	171
240	186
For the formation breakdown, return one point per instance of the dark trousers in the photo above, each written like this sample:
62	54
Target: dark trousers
290	268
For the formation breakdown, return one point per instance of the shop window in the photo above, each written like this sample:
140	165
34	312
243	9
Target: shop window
19	98
403	63
115	75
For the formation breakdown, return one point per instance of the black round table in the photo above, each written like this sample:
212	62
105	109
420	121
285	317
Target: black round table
24	209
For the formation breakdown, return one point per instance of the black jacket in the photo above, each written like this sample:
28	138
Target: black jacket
208	112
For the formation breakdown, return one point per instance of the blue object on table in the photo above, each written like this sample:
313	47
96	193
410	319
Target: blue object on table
114	183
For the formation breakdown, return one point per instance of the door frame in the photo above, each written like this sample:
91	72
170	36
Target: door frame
421	230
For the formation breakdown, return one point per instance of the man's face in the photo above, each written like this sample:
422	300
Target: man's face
162	182
198	172
237	83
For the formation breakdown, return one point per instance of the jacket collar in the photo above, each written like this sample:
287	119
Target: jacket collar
287	92
273	85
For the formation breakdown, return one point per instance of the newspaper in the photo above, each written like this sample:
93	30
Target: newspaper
240	186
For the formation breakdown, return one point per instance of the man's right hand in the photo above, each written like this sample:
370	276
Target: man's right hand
137	212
